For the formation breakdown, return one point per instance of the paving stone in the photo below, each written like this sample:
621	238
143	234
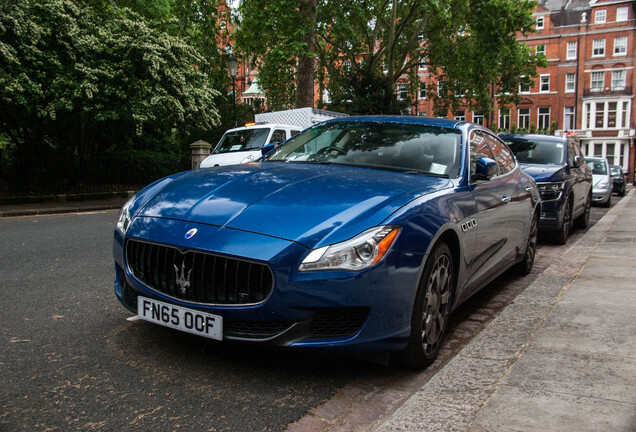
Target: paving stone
518	409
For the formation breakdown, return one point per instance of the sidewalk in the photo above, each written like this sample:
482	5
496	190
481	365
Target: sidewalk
58	207
561	357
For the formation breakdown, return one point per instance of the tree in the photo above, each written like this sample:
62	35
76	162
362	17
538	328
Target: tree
78	82
279	37
469	45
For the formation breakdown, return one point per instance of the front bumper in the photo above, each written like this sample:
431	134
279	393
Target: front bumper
601	196
369	310
551	214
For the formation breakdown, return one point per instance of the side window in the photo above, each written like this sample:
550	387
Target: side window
571	153
478	149
504	157
278	136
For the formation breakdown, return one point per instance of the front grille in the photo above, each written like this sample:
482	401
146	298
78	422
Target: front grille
198	277
337	322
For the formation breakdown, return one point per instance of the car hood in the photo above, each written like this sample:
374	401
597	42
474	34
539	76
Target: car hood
306	203
544	173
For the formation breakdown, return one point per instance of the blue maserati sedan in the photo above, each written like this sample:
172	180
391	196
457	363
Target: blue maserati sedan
359	233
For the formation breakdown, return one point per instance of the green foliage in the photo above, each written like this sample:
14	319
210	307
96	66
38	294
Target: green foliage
80	82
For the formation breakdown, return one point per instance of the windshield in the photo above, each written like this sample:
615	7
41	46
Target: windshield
393	146
537	151
615	170
598	166
241	140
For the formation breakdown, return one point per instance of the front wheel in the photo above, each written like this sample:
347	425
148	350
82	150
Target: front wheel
563	233
431	310
608	203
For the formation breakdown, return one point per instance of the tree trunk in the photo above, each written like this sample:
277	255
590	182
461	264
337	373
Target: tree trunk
305	78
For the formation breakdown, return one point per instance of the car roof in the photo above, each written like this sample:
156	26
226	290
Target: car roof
532	136
419	120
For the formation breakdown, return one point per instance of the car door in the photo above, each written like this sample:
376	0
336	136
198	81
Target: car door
582	179
491	200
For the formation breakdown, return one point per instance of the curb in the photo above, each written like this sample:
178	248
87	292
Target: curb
456	395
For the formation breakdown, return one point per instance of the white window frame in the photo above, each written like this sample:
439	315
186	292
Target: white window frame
504	119
620	46
622	13
568	112
598	48
541	115
617	75
419	91
526	116
401	87
602	81
600	16
540	22
623	108
524	90
422	66
544	80
478	118
570	53
460	117
570	82
540	51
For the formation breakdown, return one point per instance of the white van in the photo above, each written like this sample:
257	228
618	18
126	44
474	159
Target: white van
243	144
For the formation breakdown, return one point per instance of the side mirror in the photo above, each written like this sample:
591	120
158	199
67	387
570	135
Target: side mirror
485	169
578	161
269	147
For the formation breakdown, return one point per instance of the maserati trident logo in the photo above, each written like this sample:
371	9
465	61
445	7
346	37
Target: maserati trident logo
183	279
190	233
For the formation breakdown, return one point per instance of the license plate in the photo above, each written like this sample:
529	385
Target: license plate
180	318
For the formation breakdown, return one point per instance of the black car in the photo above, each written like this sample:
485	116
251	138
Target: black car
616	171
563	177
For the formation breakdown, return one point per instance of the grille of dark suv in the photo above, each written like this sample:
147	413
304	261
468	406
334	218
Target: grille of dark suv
198	277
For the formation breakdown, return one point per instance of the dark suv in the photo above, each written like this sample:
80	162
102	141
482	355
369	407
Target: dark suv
563	177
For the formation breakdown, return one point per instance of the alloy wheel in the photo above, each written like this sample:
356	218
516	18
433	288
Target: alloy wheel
437	303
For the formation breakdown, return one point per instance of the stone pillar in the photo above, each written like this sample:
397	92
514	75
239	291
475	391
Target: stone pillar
200	150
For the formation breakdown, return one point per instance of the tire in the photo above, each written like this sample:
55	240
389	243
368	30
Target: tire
525	266
583	221
622	194
608	203
562	234
431	310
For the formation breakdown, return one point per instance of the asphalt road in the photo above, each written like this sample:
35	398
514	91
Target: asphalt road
72	360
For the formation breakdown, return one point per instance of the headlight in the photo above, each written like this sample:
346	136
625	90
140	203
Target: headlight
356	254
602	184
550	187
123	222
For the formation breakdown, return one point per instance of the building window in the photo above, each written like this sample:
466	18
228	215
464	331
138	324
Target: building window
599	118
598	81
545	83
568	118
620	46
460	115
606	114
571	51
622	13
598	48
544	118
422	65
618	80
570	82
524	118
346	65
540	49
402	91
441	88
421	94
504	119
540	22
599	16
478	118
611	114
525	85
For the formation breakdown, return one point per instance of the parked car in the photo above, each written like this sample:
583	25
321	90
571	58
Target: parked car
361	233
243	144
603	182
619	178
563	177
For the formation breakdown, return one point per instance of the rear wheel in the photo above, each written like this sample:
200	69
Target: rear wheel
563	233
525	266
583	220
431	310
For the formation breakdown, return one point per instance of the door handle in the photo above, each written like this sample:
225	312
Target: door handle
505	199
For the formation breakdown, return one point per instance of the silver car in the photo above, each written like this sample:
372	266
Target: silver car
603	182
